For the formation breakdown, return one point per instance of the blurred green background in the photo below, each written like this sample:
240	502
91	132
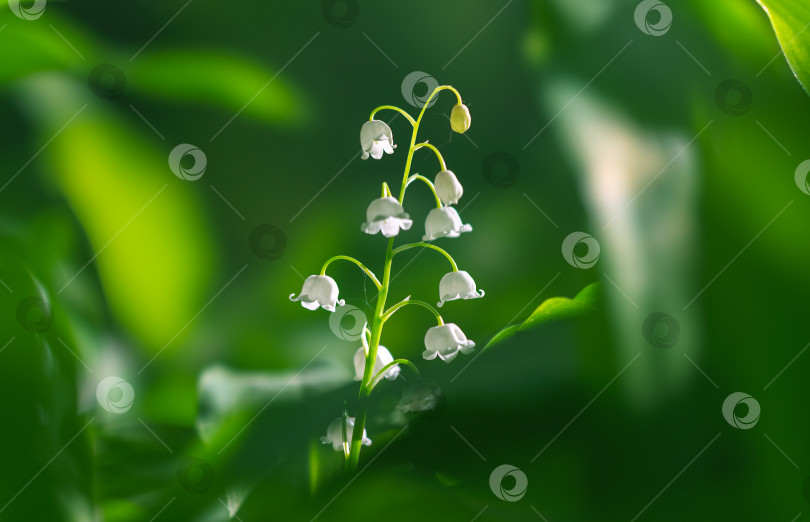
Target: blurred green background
675	151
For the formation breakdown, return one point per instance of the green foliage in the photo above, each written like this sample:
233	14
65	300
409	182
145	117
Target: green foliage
219	79
553	309
790	19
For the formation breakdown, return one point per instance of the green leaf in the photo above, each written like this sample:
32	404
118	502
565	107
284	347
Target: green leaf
29	48
790	18
214	78
152	242
553	309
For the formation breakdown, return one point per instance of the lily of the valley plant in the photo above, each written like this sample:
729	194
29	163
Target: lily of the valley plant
387	216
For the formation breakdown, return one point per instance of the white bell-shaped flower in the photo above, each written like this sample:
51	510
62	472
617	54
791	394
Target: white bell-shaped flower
384	357
319	290
447	187
376	138
334	434
446	341
457	285
386	215
444	222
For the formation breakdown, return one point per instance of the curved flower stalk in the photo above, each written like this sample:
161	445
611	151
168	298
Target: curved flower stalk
386	216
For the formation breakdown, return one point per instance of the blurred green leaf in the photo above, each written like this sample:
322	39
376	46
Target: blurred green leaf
790	18
150	239
553	309
37	48
212	77
226	395
38	394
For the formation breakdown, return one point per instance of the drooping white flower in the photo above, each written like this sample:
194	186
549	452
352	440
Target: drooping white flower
446	341
447	187
375	138
444	222
334	434
386	215
319	290
460	118
383	357
457	285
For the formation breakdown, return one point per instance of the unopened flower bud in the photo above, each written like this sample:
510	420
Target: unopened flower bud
460	118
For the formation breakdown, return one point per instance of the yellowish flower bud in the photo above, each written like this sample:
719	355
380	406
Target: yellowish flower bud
460	118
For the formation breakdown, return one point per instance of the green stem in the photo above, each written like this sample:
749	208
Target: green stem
435	150
345	435
381	374
368	372
428	183
413	136
377	322
388	313
391	107
428	245
368	272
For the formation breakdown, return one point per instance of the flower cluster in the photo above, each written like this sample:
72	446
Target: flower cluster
387	216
